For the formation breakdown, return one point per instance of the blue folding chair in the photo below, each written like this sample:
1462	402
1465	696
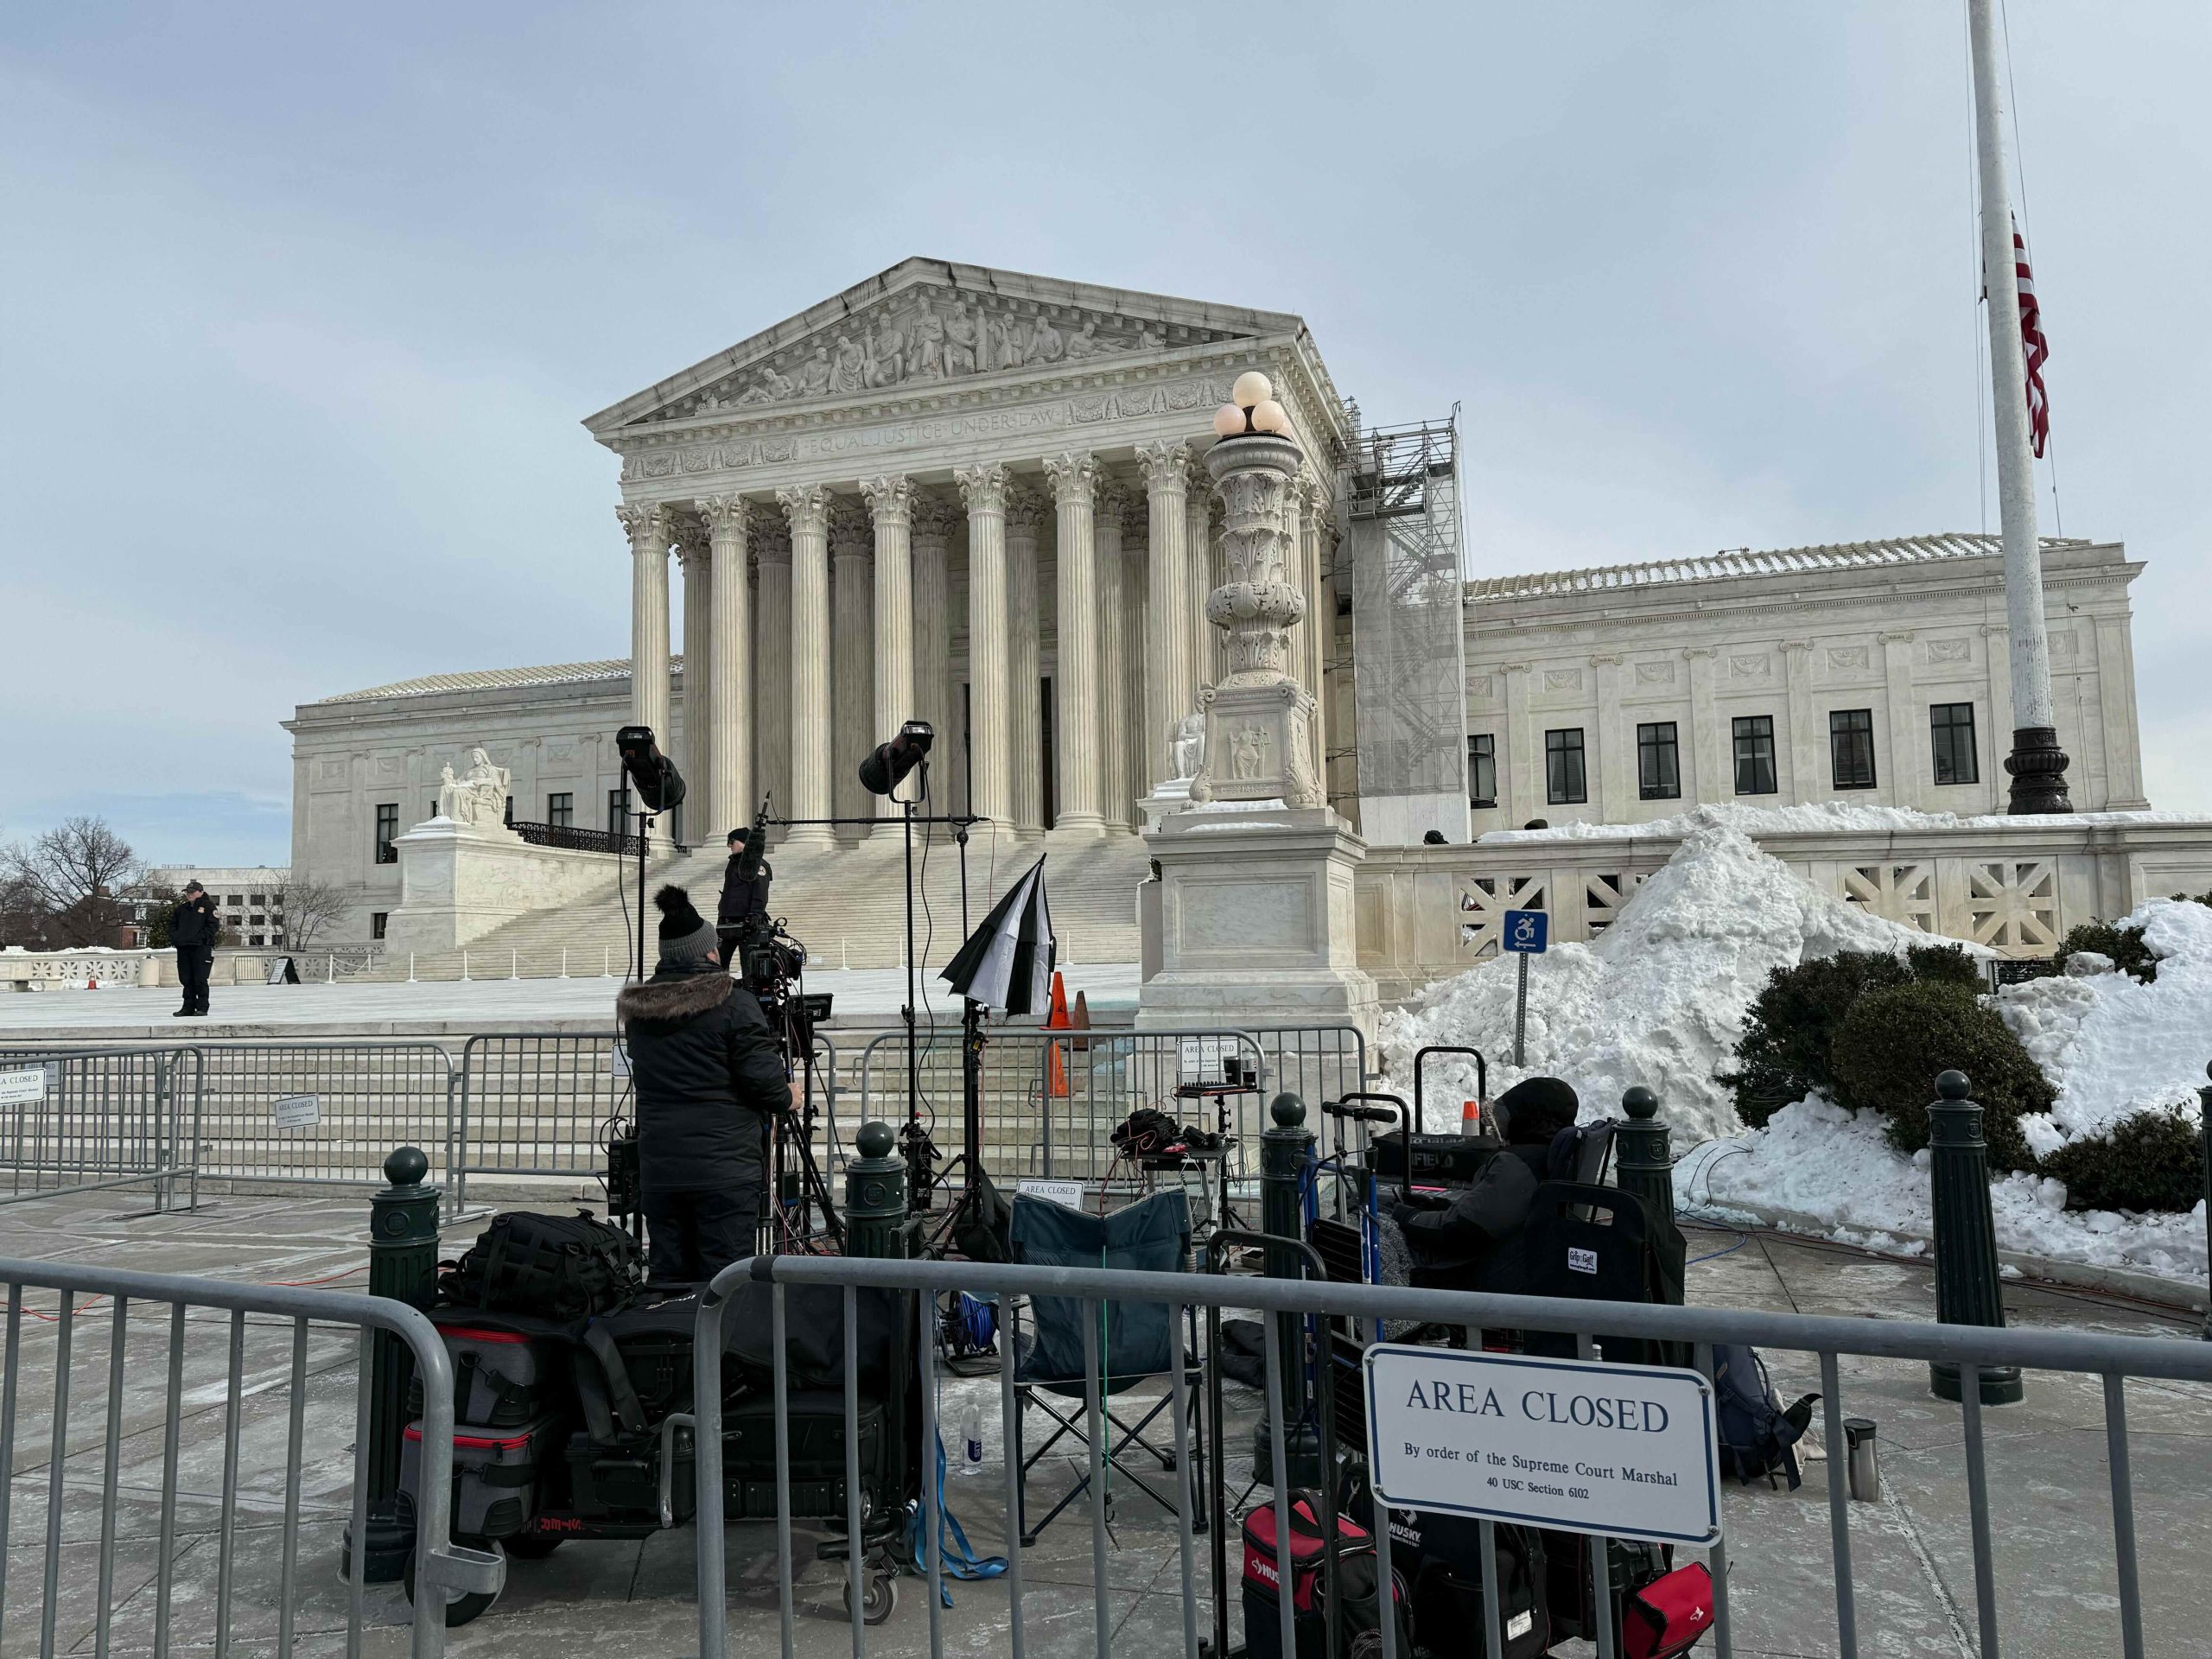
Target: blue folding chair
1136	1342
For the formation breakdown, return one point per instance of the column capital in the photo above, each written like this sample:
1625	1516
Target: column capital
726	515
1136	520
645	523
1606	659
1167	466
1896	636
1515	668
890	500
983	487
851	534
1798	644
769	535
806	506
692	543
1694	652
1075	477
1024	508
1113	498
933	516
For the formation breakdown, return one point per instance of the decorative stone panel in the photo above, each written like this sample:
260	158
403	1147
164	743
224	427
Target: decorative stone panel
2012	904
1898	893
1483	900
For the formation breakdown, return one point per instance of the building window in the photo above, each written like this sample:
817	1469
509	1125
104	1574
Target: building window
387	832
1951	735
235	899
1564	781
1658	762
254	939
1851	748
1482	769
560	810
376	920
618	811
1754	754
260	898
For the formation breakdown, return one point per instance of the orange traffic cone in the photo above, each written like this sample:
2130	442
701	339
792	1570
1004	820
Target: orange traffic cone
1056	1018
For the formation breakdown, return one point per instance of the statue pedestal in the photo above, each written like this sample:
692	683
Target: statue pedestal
1255	920
458	881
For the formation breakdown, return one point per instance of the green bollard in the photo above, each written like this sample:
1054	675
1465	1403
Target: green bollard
402	1265
875	1195
1967	1288
1285	1151
1645	1164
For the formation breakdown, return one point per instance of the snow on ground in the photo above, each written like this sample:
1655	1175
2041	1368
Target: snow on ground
1657	998
1819	1164
2114	1046
1817	817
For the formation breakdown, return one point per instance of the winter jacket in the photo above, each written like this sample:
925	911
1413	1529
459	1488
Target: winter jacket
1463	1240
707	1070
193	925
741	898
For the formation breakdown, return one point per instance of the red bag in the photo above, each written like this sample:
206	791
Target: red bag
1668	1615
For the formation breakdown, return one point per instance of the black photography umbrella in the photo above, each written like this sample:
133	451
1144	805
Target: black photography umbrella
1007	963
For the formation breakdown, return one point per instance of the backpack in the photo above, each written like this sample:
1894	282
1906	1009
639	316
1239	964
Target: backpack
1757	1435
552	1267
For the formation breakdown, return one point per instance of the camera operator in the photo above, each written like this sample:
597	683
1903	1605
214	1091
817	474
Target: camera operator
743	897
194	929
709	1074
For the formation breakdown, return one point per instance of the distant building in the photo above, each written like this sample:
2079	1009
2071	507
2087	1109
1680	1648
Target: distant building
250	899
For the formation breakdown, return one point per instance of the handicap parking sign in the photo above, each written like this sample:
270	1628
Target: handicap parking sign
1525	932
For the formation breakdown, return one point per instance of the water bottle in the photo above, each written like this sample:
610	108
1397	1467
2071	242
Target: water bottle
971	1441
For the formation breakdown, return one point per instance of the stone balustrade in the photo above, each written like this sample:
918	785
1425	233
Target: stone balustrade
2014	885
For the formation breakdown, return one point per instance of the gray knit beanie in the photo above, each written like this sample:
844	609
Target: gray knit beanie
686	938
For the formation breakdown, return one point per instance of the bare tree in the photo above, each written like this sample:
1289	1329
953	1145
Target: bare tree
309	907
71	877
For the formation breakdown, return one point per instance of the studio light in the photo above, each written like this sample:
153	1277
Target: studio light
887	764
652	775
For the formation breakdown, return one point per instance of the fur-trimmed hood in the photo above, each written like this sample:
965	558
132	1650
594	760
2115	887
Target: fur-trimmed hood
674	996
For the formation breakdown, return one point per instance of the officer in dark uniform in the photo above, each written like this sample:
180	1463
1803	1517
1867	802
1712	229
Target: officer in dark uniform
193	928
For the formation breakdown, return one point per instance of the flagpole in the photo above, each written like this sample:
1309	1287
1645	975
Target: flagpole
2036	764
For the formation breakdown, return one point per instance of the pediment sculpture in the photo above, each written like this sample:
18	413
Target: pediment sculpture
929	334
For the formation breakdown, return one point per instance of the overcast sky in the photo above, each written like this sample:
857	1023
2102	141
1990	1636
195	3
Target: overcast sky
303	303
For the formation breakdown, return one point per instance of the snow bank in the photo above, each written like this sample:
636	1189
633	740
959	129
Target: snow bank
2114	1046
1817	817
1817	1162
1659	997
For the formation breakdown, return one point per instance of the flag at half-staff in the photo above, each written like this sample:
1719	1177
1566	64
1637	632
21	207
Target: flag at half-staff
1007	963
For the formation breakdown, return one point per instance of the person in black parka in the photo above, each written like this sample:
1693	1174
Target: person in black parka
194	929
1455	1242
709	1074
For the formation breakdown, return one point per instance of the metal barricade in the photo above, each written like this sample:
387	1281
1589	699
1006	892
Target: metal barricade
284	1460
85	1120
2110	1359
536	1103
290	1113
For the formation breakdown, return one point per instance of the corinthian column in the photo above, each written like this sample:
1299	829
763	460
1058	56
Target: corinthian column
807	509
891	502
932	530
851	586
724	801
984	489
770	538
1113	663
1080	622
1024	521
1313	639
691	755
1201	578
1137	755
647	529
1167	635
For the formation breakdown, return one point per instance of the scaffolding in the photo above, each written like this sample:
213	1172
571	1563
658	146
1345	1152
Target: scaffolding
1400	487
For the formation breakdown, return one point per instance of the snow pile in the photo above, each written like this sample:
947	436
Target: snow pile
1818	1167
1658	999
2112	1046
1815	818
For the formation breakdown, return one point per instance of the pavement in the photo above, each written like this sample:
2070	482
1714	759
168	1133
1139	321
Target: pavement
863	997
1912	1548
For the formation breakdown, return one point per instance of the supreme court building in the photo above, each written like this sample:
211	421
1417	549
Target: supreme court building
972	497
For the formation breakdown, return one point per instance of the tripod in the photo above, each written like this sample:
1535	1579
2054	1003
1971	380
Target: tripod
794	1129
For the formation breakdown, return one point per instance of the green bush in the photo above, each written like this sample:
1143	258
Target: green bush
1894	1042
2123	945
1783	1055
2154	1160
1945	964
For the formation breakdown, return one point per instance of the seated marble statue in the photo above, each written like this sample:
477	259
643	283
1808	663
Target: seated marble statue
479	797
1186	745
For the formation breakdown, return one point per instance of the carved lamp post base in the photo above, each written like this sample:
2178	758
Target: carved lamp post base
2038	766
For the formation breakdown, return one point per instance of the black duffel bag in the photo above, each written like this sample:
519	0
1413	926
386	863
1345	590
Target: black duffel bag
552	1267
814	1335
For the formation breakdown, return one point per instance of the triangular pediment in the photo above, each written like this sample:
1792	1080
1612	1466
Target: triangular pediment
927	325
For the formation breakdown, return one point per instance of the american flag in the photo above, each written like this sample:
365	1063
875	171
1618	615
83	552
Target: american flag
2032	344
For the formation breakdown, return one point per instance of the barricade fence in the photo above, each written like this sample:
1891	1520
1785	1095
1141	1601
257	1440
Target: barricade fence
247	1545
83	1121
311	1113
2112	1591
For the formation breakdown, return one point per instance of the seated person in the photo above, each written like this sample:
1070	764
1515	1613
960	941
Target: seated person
1454	1239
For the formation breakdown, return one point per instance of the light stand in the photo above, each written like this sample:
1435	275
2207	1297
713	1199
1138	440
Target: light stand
645	822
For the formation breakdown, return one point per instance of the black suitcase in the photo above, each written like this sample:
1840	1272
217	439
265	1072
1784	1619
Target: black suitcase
816	1428
496	1476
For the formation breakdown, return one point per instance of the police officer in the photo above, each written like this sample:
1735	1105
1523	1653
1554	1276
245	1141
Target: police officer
193	926
708	1075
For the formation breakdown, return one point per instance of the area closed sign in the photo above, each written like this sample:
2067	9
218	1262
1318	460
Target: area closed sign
1627	1450
23	1085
